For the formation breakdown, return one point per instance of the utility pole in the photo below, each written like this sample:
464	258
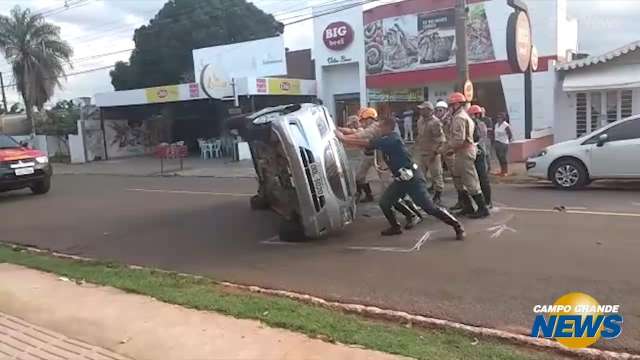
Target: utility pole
4	97
462	61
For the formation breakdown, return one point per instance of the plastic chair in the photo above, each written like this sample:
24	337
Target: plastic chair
205	149
216	148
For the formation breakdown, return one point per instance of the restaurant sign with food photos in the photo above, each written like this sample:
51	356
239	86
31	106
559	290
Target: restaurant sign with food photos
424	40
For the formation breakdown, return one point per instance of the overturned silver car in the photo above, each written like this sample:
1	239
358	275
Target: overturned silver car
303	170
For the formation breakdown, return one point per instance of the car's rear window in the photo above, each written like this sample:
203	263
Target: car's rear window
6	142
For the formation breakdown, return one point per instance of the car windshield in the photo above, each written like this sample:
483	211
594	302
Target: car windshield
7	142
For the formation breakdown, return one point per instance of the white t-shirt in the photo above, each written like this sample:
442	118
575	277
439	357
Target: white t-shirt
501	132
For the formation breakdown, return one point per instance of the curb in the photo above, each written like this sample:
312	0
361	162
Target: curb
373	312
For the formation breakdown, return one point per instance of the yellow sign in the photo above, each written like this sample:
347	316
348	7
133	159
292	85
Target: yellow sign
284	86
162	94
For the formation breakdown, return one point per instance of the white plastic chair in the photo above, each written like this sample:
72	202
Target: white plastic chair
205	149
216	148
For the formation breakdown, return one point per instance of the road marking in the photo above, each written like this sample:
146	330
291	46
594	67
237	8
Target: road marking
499	229
191	192
275	240
575	212
415	248
575	208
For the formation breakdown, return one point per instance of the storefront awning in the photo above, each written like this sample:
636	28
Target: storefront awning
603	77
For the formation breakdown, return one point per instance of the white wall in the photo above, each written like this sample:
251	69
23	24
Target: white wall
342	79
347	77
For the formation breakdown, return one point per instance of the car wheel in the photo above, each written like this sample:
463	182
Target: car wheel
258	203
41	187
569	174
291	231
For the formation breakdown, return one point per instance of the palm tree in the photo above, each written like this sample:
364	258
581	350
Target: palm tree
37	56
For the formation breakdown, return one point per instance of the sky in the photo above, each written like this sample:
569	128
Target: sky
95	27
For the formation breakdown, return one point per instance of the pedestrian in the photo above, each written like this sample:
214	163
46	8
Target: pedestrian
460	142
428	146
488	141
504	137
479	136
407	119
407	178
397	120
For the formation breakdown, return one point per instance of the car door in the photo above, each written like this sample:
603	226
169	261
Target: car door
619	156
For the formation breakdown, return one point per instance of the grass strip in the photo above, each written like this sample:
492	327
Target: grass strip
205	294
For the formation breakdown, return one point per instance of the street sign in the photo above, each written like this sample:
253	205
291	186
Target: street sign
519	41
534	58
468	90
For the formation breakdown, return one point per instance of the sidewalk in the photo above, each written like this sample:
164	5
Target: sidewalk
150	166
220	168
136	327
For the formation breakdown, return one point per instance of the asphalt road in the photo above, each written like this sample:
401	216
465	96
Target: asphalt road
525	254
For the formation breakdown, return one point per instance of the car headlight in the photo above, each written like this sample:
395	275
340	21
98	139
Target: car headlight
42	159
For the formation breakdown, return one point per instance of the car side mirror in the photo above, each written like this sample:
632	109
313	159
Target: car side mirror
602	139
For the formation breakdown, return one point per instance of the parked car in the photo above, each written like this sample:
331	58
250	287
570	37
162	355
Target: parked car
612	152
21	167
303	170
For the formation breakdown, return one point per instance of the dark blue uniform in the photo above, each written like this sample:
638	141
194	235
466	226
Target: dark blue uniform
397	157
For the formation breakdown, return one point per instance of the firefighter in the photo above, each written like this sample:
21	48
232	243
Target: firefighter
407	178
368	130
460	143
428	146
442	112
480	136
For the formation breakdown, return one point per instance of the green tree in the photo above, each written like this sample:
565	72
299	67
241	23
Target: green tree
163	48
37	56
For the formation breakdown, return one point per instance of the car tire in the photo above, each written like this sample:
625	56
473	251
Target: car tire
569	174
257	202
41	187
291	231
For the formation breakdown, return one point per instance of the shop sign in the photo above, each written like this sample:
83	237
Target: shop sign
519	41
338	35
396	95
424	40
214	83
261	86
534	58
332	60
468	90
162	94
284	86
194	90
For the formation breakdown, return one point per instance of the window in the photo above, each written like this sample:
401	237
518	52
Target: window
581	114
625	131
596	109
6	142
612	106
626	102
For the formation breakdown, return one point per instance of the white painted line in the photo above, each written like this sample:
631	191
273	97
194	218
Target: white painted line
275	240
191	192
574	212
575	208
416	247
499	229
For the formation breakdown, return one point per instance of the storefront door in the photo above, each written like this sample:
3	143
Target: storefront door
346	105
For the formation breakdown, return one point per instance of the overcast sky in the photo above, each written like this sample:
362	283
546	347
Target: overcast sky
105	26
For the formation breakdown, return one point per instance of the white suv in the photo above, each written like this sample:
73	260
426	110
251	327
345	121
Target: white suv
612	152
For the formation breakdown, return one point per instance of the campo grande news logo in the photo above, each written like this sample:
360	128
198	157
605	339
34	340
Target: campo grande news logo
577	320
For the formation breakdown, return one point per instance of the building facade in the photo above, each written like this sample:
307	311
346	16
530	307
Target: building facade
404	53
